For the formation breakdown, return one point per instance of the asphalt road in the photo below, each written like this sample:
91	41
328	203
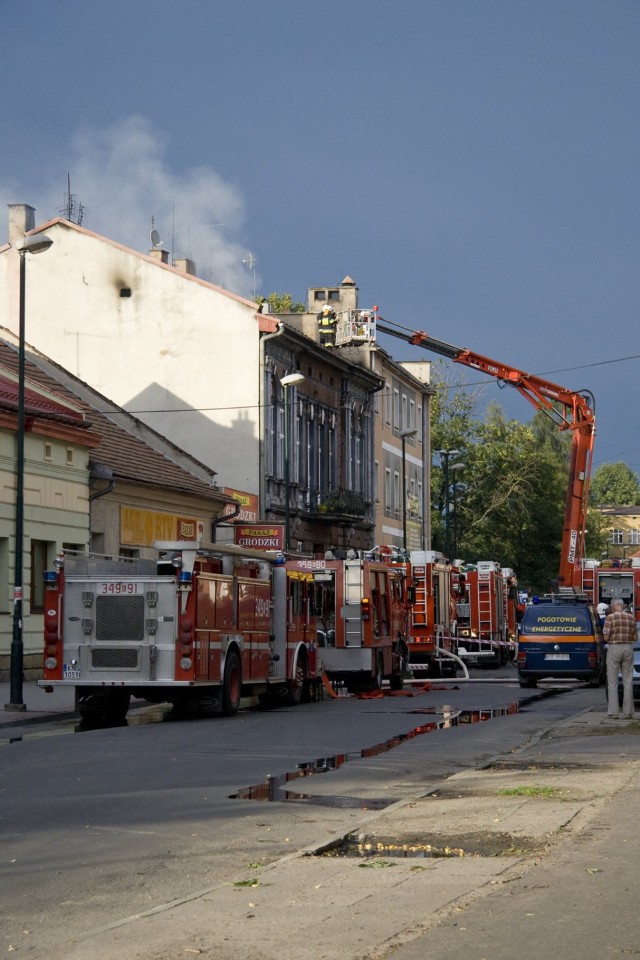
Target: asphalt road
101	825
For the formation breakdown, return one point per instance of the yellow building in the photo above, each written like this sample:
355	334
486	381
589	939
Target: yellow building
623	531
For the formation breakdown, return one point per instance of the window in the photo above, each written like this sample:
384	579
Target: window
48	451
128	554
333	294
387	402
616	536
42	554
396	494
388	491
69	456
634	536
396	409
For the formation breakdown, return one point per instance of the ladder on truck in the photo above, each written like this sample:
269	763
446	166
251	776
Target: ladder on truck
485	608
588	579
353	589
419	617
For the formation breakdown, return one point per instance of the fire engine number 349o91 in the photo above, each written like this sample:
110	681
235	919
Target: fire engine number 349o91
117	588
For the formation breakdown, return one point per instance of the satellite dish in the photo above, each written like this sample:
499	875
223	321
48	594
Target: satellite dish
156	239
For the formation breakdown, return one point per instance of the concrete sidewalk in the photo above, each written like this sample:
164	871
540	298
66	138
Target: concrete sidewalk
39	705
535	852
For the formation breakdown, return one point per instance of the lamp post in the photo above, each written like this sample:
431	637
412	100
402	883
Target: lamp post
35	243
403	441
455	467
445	455
291	380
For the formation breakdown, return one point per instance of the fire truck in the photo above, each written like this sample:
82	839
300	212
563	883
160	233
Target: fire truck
361	606
200	627
434	586
486	635
603	581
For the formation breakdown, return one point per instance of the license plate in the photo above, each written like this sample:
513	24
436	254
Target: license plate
71	674
556	656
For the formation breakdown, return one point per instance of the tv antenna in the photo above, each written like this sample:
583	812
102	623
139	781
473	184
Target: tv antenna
250	262
72	210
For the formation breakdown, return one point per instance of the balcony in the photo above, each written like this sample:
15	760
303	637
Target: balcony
340	503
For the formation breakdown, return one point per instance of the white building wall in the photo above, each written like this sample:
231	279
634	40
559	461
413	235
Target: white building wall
178	352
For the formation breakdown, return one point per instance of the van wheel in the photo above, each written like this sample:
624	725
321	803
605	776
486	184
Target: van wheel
527	682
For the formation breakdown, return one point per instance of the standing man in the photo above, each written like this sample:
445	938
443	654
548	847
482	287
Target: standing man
327	321
620	633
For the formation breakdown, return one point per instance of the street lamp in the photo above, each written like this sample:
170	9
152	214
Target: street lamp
403	440
455	467
35	243
291	380
445	455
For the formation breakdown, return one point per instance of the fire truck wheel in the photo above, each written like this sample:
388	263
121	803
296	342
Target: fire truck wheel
379	674
231	685
299	686
102	706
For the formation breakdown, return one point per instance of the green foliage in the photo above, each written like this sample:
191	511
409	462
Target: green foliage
514	509
510	498
614	484
282	303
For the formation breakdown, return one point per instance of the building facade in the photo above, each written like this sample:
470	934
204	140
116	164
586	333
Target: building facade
400	473
95	479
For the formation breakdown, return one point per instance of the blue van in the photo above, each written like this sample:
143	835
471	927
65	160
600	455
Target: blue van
560	637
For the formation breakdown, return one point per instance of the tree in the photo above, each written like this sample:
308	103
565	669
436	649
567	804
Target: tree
453	427
614	484
282	303
513	508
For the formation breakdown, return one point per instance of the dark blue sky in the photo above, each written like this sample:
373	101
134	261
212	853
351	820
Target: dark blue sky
473	164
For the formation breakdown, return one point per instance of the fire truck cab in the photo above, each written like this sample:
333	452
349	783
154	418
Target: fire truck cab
200	627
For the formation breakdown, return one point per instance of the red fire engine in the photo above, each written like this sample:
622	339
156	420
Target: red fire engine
434	586
603	581
362	617
201	627
484	632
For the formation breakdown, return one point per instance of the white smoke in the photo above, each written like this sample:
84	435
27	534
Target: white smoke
121	177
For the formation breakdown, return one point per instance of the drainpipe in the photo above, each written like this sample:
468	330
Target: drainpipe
261	420
98	471
225	518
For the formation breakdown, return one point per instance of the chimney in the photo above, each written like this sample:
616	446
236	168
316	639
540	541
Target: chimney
186	265
161	255
22	218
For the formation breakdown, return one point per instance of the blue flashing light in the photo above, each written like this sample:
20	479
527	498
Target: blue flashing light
51	576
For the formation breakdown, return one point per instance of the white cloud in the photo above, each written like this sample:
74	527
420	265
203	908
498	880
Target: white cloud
122	179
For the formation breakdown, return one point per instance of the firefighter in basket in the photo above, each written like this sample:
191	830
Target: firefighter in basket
327	322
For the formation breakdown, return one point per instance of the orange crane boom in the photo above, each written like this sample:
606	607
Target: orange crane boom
569	410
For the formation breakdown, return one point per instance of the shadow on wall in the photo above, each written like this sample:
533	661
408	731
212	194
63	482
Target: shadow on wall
231	451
